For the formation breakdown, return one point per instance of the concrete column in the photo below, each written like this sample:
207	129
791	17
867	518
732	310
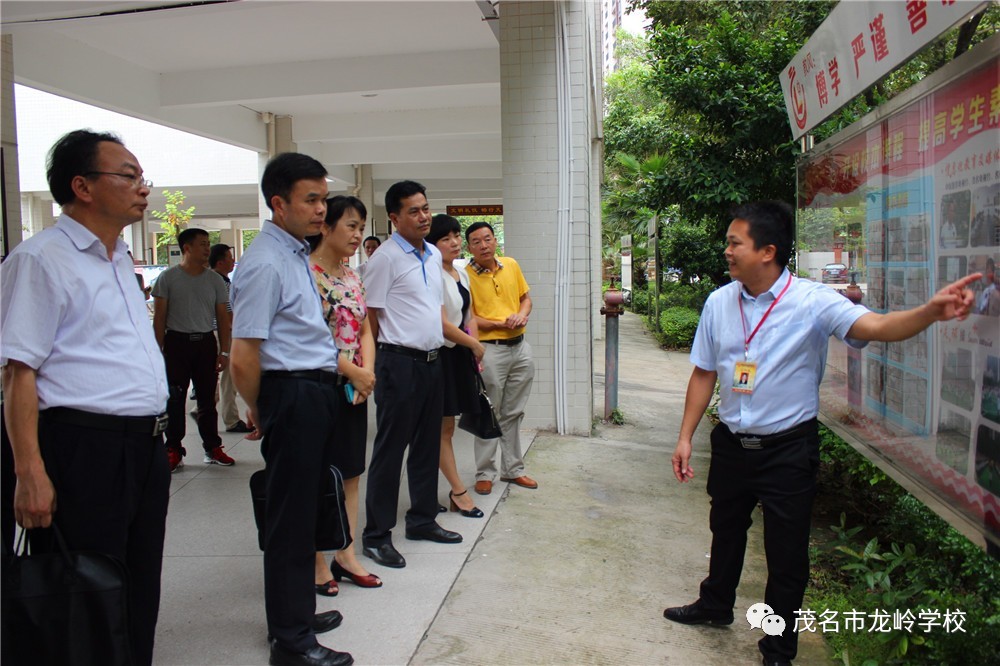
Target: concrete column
531	186
36	214
376	210
283	135
11	194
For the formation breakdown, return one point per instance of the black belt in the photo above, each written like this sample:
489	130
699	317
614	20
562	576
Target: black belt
192	337
420	355
137	425
321	376
506	342
751	441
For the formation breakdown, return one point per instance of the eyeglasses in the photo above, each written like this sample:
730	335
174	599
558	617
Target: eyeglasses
137	180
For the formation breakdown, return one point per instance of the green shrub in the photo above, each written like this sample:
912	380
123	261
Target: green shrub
640	301
678	326
685	295
938	568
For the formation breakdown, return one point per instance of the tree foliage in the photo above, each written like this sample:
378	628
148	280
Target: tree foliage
173	218
694	250
695	117
718	63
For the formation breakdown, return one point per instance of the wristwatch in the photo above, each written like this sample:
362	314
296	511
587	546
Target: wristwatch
226	354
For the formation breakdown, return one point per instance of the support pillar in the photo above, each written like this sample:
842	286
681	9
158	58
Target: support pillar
550	116
10	188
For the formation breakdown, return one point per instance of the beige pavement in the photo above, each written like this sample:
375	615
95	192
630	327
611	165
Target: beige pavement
575	572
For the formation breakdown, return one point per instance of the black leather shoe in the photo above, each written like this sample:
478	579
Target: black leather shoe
322	623
386	555
328	621
776	662
318	655
240	427
434	532
696	614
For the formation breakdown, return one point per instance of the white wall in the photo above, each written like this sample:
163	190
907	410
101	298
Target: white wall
531	185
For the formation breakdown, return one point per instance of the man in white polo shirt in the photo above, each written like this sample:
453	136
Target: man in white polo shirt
404	291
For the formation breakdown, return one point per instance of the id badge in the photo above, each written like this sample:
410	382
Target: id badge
744	376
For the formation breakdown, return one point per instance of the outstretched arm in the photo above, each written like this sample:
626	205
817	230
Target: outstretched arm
953	302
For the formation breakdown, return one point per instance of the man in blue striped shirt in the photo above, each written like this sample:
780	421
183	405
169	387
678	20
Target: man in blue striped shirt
284	364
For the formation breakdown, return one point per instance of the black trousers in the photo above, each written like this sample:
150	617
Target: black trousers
782	478
191	361
409	396
298	420
8	481
112	490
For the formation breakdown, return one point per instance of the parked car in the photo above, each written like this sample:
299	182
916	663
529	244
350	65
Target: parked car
834	273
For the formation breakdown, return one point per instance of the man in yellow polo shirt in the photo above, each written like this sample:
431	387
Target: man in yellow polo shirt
502	305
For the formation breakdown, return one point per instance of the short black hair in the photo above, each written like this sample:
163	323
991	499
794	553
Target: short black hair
374	238
73	155
188	235
476	226
336	207
404	189
441	226
770	223
286	169
217	254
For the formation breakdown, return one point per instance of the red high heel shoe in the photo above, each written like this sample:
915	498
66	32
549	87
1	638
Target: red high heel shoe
339	572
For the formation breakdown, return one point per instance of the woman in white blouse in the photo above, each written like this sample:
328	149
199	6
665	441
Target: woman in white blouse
459	356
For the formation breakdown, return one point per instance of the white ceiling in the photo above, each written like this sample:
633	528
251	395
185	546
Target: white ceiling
411	87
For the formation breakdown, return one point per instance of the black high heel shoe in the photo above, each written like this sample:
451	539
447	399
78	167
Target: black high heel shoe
474	512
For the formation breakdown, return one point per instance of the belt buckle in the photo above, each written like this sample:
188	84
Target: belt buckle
195	337
751	442
160	424
432	355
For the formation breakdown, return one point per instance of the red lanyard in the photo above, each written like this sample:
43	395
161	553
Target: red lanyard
739	297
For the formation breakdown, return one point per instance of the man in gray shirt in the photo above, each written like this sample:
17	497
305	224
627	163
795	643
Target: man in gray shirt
186	300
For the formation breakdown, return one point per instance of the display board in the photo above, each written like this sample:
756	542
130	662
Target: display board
912	194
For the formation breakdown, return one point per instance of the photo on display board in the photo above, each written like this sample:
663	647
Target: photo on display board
957	384
985	227
986	291
952	444
954	228
990	406
988	459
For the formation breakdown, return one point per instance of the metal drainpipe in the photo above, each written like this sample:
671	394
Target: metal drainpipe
564	216
613	300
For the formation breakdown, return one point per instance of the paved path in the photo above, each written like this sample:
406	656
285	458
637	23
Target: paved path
575	572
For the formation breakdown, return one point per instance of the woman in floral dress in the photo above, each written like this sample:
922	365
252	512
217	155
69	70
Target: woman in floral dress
345	311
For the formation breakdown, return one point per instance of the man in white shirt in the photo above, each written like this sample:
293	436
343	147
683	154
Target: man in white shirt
404	291
84	382
775	329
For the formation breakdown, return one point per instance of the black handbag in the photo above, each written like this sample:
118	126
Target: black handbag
333	532
64	607
483	423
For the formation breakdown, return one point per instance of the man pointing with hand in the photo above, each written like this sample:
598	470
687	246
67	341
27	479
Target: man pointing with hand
764	337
